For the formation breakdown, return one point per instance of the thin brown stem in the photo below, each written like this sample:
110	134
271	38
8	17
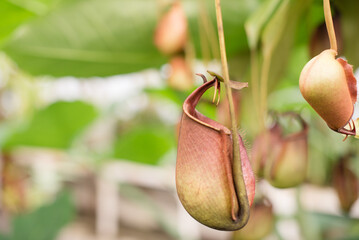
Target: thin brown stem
237	165
330	25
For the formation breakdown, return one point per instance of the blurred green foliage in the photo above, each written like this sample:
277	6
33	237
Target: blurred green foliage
87	38
324	226
45	222
144	144
14	15
56	126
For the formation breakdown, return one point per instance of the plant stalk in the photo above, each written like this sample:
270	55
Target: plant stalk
330	25
240	186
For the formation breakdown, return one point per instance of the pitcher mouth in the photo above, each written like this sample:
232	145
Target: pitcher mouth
189	108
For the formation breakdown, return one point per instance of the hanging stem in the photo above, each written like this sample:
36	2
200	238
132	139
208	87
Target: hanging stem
330	25
238	174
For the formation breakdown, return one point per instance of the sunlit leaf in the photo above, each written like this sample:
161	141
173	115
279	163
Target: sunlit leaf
39	7
100	38
11	17
89	38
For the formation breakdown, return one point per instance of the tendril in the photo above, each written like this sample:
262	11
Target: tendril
351	131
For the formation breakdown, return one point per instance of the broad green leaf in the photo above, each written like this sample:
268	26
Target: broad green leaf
257	21
89	38
11	17
94	37
41	7
144	144
55	126
45	222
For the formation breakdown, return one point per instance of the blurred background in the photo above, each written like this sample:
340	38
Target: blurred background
91	93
